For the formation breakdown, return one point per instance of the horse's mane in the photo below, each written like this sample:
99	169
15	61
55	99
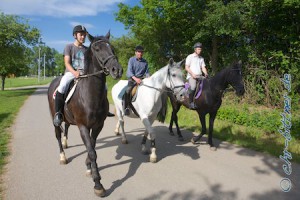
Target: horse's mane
88	54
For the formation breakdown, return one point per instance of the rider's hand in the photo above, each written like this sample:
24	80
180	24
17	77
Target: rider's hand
138	81
76	74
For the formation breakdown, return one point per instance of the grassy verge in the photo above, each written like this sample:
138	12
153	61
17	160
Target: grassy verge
10	103
247	136
23	81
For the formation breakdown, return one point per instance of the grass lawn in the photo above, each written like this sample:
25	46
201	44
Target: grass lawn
23	81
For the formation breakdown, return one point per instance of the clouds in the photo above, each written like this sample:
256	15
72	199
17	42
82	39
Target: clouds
57	8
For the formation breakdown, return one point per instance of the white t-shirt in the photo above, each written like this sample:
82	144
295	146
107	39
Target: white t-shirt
195	63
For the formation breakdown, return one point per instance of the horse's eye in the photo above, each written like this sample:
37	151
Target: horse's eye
173	75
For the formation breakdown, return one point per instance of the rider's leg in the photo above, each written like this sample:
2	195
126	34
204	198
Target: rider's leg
131	84
59	104
59	98
192	89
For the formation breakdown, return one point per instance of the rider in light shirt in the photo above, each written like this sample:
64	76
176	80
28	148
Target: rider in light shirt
195	66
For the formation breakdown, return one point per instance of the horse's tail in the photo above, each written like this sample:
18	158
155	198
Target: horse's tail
161	116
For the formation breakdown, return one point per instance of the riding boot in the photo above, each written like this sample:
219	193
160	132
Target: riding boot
126	103
59	105
191	98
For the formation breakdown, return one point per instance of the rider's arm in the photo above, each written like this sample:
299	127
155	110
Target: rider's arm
67	60
204	70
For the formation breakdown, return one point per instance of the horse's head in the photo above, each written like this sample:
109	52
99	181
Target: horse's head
103	56
175	79
236	79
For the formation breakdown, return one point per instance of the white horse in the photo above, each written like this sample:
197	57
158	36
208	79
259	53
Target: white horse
149	100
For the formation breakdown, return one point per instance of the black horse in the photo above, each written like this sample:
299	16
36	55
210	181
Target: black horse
88	107
210	100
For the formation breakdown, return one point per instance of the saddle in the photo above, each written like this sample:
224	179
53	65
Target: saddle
133	94
199	87
70	89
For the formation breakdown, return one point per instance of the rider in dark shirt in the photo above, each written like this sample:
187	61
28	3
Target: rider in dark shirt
137	70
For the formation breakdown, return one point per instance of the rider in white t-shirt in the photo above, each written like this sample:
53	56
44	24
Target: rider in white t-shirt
195	66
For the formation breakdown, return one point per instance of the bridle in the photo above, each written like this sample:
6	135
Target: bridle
168	77
102	62
240	73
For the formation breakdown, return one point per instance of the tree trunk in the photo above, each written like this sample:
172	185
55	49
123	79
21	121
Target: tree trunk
214	56
3	82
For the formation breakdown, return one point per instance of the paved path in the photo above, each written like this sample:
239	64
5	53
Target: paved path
183	171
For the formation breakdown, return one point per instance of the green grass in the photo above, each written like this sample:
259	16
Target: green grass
245	136
10	104
23	81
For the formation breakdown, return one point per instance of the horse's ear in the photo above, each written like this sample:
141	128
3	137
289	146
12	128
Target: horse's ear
90	37
171	61
108	34
239	64
180	64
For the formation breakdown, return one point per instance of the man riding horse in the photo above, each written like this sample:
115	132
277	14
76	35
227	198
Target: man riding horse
137	69
194	65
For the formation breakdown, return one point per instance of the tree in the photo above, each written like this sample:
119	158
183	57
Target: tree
16	36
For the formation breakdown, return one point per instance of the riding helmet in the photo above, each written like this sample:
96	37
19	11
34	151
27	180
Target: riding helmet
139	48
78	29
197	45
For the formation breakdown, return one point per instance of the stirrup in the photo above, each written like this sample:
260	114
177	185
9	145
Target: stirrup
58	119
127	111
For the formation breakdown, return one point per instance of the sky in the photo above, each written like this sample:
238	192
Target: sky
56	18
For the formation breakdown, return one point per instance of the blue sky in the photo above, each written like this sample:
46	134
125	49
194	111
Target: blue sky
56	18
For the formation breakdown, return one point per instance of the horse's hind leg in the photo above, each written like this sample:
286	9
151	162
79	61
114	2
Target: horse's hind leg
91	161
120	123
212	117
65	137
63	159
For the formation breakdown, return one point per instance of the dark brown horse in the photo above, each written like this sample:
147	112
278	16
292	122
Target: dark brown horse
210	100
88	107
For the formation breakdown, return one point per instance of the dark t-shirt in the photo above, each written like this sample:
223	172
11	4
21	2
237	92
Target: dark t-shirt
76	54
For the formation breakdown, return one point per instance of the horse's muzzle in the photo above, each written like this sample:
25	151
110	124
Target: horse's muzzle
116	71
240	91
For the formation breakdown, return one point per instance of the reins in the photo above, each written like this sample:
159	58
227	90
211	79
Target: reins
164	90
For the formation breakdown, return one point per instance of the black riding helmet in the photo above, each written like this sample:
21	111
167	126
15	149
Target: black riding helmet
197	45
78	29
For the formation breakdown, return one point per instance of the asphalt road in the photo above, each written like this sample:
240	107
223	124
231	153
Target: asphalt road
183	170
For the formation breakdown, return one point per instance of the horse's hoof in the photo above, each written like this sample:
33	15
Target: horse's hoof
117	133
100	193
213	148
124	142
88	173
192	141
171	133
63	162
180	139
153	159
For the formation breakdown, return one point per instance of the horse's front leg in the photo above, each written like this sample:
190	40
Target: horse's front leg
91	161
63	160
203	125
149	129
65	137
212	118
